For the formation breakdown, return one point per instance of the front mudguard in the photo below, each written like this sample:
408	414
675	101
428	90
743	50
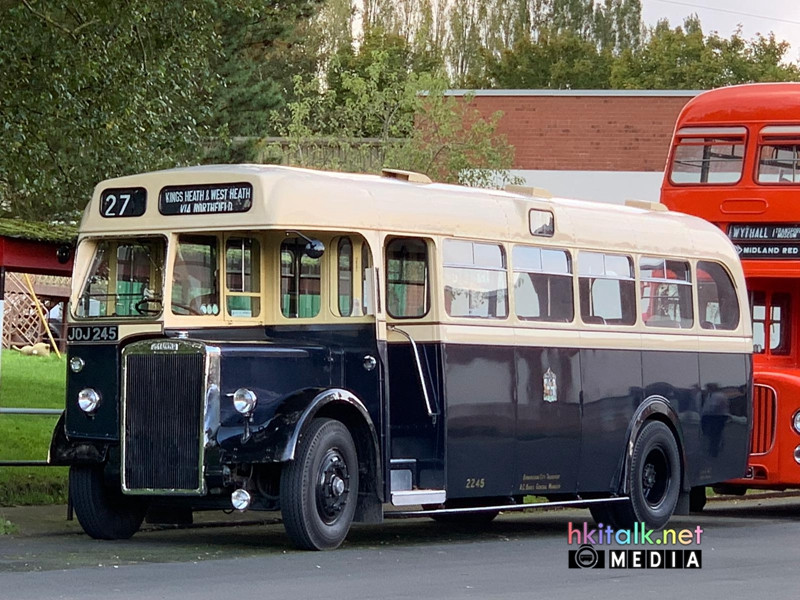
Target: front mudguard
65	452
276	440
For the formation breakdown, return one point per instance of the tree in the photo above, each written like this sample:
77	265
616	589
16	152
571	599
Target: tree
92	89
453	142
414	124
684	58
263	45
555	61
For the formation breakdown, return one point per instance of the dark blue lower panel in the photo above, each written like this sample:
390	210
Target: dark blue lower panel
612	391
505	436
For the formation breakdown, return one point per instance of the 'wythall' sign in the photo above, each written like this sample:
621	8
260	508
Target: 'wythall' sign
218	198
763	240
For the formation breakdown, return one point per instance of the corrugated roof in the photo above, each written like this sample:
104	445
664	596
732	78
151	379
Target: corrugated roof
37	231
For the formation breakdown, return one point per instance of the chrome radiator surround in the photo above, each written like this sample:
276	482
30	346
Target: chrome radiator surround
174	353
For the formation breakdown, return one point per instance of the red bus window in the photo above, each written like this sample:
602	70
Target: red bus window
779	325
702	156
758	307
779	163
771	325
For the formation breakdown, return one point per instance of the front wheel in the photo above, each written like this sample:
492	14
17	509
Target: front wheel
654	480
319	489
102	510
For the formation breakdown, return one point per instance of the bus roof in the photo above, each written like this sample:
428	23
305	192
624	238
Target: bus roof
740	104
306	200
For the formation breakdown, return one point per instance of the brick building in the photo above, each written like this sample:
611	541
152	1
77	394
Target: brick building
607	145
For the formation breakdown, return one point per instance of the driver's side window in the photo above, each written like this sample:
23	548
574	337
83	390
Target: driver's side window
195	285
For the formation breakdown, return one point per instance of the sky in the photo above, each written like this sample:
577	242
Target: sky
782	17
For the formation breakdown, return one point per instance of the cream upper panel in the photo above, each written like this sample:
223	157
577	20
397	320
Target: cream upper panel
290	198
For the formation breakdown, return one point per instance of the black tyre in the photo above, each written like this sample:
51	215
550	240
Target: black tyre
654	480
102	510
697	499
319	489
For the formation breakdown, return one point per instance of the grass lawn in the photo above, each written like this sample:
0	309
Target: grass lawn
30	382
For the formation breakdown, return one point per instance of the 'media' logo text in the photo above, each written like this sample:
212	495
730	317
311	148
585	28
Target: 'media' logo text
586	556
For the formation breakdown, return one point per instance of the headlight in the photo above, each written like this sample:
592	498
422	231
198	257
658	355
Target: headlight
88	400
76	364
244	401
796	421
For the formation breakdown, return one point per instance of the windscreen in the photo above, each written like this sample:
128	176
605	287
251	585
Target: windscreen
125	279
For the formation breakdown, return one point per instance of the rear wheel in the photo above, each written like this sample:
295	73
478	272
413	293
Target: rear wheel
319	489
102	510
653	481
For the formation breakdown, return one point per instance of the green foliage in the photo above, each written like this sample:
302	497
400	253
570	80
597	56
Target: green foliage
94	89
409	121
684	58
556	61
453	142
263	45
7	527
31	434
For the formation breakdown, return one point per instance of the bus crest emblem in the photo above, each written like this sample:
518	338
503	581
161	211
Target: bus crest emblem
550	387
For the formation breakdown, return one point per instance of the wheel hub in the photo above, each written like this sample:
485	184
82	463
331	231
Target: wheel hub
656	476
649	477
332	486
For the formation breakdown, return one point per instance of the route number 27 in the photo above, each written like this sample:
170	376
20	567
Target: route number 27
110	205
122	202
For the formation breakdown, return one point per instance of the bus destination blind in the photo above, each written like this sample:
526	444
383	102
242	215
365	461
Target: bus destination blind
219	198
764	240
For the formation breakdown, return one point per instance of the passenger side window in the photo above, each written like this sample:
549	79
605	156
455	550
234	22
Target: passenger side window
407	284
344	276
543	284
300	281
716	297
243	277
475	282
666	293
607	289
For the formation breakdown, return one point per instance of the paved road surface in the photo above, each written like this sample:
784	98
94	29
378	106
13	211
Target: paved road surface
751	549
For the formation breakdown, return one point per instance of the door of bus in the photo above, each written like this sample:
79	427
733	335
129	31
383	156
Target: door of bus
416	419
771	308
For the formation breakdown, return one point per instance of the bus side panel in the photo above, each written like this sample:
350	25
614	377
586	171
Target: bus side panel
675	376
612	389
725	415
480	386
548	431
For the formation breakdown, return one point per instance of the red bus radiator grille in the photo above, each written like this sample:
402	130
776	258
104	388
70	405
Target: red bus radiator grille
764	408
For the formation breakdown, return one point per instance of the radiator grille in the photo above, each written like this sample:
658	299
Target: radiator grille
163	421
764	409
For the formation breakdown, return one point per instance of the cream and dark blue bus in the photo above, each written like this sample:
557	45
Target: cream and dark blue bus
333	346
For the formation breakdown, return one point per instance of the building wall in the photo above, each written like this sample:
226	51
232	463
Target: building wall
586	130
606	145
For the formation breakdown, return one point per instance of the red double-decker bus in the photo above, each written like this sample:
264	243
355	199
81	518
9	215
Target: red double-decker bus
735	161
